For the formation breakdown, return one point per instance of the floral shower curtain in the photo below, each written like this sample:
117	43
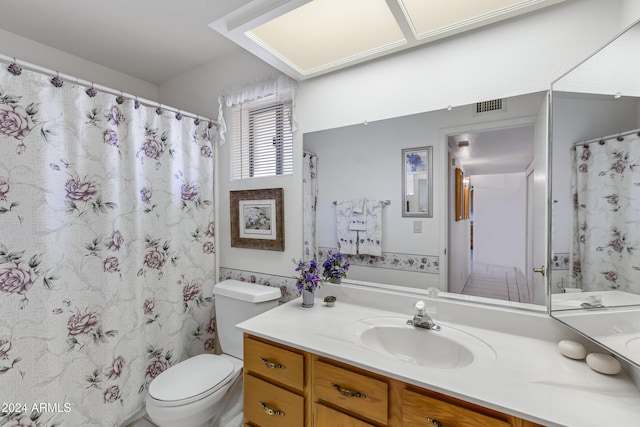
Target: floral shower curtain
106	250
310	200
606	224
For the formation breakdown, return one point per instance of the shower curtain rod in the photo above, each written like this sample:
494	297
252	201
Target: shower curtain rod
88	84
575	144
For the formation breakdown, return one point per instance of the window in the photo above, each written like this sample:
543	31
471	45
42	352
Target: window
262	141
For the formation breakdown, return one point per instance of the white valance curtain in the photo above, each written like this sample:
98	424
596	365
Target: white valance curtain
282	88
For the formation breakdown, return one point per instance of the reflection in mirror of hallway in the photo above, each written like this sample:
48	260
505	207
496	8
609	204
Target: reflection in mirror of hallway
497	281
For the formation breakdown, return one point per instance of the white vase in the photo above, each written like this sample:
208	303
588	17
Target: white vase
307	298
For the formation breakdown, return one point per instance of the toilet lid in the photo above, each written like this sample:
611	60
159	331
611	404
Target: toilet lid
199	375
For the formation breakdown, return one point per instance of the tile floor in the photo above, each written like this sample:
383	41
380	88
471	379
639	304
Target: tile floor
143	421
498	282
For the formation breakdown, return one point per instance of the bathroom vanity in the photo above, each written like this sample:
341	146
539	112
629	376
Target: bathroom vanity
285	386
348	365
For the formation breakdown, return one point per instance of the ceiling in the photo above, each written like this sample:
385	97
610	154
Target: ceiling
506	150
156	40
153	40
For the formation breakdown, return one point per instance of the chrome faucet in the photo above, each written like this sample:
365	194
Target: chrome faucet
421	319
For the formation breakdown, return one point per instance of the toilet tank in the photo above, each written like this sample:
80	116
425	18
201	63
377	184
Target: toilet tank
235	302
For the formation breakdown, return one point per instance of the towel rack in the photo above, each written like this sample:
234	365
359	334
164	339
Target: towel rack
382	202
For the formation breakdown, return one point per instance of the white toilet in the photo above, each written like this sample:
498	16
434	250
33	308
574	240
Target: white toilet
206	390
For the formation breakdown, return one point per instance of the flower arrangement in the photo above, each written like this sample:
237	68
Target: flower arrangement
335	268
308	278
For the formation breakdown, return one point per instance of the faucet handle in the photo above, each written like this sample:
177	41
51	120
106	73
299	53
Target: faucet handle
421	308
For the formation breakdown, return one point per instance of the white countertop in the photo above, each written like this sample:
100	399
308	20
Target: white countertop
529	378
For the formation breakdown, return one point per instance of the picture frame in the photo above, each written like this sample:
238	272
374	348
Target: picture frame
417	182
459	195
257	219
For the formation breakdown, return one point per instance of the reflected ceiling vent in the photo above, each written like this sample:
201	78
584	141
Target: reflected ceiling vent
491	106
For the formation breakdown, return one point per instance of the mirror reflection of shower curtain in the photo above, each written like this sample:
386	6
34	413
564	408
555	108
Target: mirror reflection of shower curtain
310	201
606	201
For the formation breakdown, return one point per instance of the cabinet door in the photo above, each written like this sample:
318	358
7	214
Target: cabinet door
268	405
274	363
354	392
324	416
421	410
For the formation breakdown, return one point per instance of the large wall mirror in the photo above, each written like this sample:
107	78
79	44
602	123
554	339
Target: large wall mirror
488	254
595	149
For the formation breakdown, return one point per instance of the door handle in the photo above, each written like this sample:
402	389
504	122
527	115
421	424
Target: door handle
539	270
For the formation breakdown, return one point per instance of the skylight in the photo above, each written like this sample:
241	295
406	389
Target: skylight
306	38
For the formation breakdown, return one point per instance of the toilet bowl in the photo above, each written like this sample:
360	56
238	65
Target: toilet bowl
195	392
206	390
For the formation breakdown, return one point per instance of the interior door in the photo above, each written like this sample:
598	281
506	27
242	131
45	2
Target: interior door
540	207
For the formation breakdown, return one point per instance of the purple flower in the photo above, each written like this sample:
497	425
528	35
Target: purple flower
15	121
15	280
5	346
211	230
116	368
188	191
111	394
23	420
145	195
153	148
81	323
110	137
116	241
210	344
335	267
149	305
308	278
618	166
155	259
208	248
4	187
116	116
611	276
157	366
191	290
211	326
111	265
80	190
205	151
617	245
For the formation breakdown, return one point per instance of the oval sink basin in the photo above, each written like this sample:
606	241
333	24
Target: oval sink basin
448	348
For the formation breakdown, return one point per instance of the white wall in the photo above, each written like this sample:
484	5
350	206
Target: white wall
44	56
499	219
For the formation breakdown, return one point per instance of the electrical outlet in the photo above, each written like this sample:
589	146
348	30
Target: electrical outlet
417	226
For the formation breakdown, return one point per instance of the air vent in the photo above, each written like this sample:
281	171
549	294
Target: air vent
492	105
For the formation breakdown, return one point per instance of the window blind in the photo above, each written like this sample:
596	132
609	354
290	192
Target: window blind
262	139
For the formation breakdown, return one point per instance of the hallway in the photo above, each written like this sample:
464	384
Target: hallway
497	281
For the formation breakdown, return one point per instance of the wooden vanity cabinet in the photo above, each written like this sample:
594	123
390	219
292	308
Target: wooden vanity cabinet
275	385
290	388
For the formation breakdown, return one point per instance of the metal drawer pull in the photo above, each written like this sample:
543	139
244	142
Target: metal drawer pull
271	365
270	411
435	422
348	393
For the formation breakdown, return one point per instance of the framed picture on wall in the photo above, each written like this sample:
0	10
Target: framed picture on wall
257	219
459	194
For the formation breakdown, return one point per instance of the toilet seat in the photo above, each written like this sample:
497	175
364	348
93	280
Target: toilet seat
191	380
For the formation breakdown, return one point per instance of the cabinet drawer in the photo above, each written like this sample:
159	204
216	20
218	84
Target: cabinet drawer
418	408
278	364
356	393
260	397
325	416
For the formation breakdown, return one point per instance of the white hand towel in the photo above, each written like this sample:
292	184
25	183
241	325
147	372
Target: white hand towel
370	240
347	239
